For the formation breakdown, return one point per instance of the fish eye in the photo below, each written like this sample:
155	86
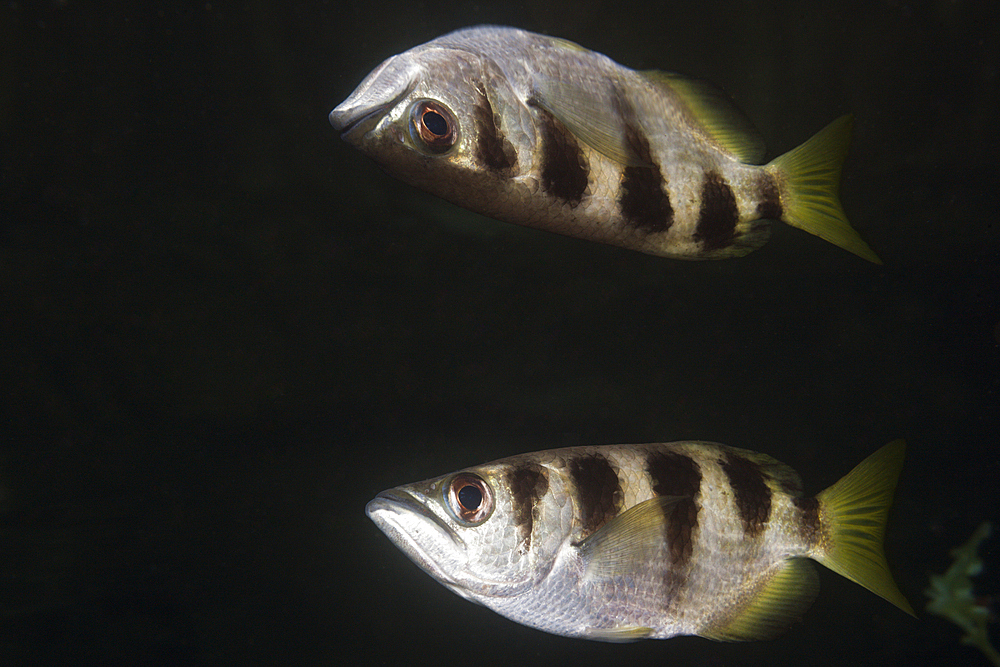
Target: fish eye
470	498
433	126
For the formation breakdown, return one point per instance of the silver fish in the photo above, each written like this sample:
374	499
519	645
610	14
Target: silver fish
624	542
542	132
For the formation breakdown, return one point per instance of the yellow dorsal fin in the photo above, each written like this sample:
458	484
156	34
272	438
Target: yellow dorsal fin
854	513
772	607
716	114
787	479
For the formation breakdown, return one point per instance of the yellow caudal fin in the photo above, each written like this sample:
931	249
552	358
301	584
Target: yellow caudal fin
854	512
810	181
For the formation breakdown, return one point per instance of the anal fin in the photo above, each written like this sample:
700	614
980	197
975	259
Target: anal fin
772	607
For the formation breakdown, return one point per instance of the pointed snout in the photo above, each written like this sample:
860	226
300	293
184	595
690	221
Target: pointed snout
373	98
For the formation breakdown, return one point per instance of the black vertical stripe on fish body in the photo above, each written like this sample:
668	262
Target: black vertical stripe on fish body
598	491
808	507
768	199
641	198
492	148
642	201
527	484
750	490
565	172
674	474
718	214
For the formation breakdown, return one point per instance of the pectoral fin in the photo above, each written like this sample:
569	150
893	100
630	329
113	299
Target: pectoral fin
590	115
626	544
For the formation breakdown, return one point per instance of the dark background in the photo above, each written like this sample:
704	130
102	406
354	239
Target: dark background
223	330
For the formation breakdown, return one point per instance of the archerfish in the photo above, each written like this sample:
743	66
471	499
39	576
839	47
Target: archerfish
542	132
624	542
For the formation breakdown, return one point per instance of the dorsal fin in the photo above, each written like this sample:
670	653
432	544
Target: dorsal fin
721	120
787	479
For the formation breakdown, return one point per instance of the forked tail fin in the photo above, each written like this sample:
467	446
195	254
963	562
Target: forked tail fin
854	512
810	181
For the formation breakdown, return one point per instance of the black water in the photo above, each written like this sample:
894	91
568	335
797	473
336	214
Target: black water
224	330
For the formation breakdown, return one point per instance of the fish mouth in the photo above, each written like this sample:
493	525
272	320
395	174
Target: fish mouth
419	533
355	117
353	122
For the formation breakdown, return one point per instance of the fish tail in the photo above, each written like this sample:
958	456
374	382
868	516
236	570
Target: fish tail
810	178
854	512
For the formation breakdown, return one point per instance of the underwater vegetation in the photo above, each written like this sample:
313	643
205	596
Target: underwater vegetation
952	597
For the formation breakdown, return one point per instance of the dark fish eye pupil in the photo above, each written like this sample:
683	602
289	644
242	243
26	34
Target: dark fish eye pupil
435	123
470	497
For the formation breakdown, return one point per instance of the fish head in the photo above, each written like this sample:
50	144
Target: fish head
482	532
441	118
